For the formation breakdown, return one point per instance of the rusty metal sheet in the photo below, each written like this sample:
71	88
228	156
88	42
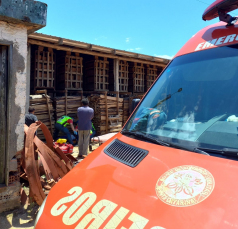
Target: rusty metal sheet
62	169
71	158
48	136
44	152
48	173
31	170
53	171
62	155
55	163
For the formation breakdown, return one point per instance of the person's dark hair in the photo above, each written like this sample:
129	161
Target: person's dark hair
85	101
31	109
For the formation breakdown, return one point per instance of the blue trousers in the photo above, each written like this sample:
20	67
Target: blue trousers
63	129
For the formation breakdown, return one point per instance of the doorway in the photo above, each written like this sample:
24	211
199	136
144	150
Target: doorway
3	109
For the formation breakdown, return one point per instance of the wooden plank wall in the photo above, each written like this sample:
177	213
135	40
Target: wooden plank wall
123	76
136	77
69	71
97	74
78	72
43	69
151	75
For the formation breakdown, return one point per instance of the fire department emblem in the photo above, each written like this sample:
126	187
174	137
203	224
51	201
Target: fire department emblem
185	186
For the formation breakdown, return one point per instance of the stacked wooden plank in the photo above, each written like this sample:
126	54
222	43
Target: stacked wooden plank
44	112
125	110
67	105
108	113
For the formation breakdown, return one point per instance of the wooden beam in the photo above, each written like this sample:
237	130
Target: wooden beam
122	93
49	112
66	105
78	50
106	112
116	74
117	102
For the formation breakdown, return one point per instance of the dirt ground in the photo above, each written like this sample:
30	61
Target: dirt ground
24	217
19	218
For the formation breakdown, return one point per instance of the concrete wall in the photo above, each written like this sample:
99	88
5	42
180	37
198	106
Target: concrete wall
17	34
18	18
31	13
28	77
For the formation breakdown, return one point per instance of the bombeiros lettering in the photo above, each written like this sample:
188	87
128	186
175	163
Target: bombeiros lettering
216	42
59	207
182	186
71	216
100	212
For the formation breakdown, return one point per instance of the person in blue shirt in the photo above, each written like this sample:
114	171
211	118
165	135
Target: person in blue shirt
85	115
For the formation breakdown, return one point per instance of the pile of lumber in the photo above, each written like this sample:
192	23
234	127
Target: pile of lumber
125	110
44	112
67	105
108	113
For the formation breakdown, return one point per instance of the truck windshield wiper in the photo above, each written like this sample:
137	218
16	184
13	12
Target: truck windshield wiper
224	151
167	97
163	143
145	137
187	148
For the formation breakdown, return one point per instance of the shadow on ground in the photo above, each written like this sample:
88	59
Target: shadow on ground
19	218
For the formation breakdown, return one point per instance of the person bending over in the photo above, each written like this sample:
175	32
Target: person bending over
60	126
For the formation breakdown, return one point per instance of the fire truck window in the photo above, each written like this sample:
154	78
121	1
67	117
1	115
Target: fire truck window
196	96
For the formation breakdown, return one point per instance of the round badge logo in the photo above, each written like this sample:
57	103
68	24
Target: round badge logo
185	186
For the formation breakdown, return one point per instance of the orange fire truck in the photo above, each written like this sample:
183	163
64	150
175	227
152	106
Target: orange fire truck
172	165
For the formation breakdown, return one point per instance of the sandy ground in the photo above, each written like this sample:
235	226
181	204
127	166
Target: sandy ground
24	217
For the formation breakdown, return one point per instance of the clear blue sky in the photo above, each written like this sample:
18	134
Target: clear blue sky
152	27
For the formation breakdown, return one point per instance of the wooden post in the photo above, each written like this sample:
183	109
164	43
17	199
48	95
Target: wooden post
52	70
106	112
117	102
71	72
67	78
48	69
43	69
48	106
38	69
66	110
116	74
96	83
